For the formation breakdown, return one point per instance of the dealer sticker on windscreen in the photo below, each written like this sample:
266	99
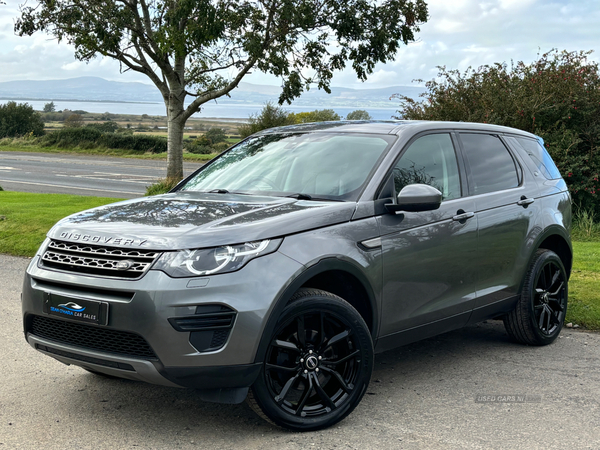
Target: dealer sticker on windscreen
75	309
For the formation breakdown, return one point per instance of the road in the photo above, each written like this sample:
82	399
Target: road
81	175
422	396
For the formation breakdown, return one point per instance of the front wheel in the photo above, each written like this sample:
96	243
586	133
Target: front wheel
317	366
540	312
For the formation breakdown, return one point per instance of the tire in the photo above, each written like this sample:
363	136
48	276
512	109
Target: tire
317	366
540	312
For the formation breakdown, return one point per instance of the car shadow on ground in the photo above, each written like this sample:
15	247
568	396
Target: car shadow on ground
136	405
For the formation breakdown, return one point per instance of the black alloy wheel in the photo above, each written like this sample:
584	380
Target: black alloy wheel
540	312
318	364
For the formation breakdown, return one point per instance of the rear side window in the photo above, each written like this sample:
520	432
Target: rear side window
492	166
540	157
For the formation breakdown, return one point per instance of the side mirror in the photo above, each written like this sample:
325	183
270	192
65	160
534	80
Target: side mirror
416	197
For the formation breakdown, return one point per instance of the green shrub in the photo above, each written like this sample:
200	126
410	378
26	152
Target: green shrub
318	115
162	186
215	135
269	117
105	127
220	147
359	114
556	97
19	120
200	146
90	137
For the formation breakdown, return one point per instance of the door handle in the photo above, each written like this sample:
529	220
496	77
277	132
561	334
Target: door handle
462	215
525	201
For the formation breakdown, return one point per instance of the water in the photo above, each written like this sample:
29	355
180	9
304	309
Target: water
221	111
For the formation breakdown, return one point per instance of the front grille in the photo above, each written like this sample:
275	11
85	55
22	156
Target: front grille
98	259
91	337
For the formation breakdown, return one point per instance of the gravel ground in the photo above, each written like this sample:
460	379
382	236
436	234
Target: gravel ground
470	389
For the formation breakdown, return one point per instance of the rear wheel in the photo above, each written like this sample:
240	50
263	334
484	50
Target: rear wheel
540	312
317	366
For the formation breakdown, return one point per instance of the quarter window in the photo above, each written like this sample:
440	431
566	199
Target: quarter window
430	160
491	165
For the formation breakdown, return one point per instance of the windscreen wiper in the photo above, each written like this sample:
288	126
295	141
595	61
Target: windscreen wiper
300	196
219	191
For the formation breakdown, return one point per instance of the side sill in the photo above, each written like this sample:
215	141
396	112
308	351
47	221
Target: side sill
493	310
422	332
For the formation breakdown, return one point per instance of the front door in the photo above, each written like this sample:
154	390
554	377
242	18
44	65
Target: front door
429	257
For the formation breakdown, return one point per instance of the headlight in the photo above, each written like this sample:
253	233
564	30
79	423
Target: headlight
209	261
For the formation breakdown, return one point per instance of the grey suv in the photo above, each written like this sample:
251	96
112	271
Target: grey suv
277	270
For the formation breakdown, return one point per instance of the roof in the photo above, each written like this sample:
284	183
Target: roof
392	127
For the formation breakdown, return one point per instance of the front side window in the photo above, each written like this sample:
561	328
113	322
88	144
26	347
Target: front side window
331	166
492	166
429	160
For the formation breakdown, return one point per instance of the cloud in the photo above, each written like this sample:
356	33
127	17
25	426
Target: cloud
459	34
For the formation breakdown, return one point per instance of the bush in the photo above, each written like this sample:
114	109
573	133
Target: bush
19	120
74	121
90	137
359	114
220	147
105	127
318	115
162	186
270	116
215	135
556	97
198	146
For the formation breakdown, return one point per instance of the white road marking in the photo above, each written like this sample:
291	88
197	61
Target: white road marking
98	178
69	187
8	168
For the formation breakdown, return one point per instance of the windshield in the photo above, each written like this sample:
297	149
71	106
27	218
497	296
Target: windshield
330	166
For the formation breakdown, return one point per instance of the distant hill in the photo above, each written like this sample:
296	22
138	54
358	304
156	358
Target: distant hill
98	89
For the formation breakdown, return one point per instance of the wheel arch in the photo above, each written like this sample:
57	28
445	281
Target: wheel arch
556	239
333	275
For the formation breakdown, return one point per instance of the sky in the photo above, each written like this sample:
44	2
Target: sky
459	34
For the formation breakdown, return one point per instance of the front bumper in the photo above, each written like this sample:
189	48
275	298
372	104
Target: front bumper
144	307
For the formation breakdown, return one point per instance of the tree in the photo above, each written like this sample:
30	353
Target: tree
19	120
318	115
556	97
270	116
359	114
74	121
49	107
204	48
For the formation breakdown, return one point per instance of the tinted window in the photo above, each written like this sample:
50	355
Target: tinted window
429	160
492	166
540	157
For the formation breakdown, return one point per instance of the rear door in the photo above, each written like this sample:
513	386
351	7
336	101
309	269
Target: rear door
505	205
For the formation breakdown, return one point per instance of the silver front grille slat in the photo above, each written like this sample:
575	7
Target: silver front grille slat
98	260
98	250
83	261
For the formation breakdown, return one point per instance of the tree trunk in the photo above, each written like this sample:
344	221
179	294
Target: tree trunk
175	125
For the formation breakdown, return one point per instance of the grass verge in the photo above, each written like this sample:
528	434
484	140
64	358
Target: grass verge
25	219
584	286
101	152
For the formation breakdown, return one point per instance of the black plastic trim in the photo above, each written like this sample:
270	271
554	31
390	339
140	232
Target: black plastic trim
213	377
